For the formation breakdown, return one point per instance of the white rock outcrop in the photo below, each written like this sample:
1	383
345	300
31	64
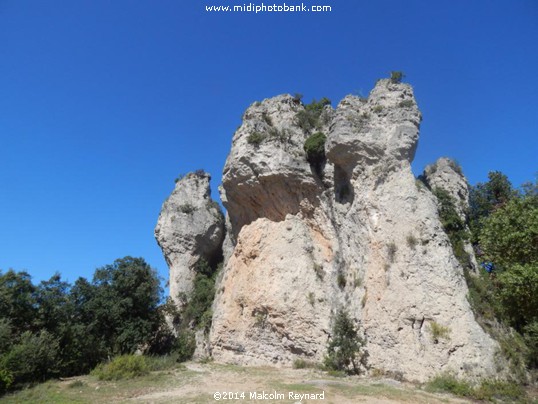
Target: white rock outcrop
363	236
446	174
357	232
190	227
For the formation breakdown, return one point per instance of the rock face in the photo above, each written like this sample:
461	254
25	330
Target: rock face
356	232
190	227
363	236
447	174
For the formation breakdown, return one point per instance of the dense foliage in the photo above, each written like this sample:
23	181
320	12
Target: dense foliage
503	226
314	147
56	329
311	118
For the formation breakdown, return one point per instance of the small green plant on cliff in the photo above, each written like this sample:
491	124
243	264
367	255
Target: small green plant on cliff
377	109
439	331
406	104
187	208
309	118
314	147
453	225
255	138
396	76
346	348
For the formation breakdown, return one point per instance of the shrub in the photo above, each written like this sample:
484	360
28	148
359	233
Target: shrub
447	382
396	76
309	118
297	97
438	331
314	147
185	345
200	172
301	363
200	300
345	351
187	208
406	104
34	358
255	138
6	379
122	367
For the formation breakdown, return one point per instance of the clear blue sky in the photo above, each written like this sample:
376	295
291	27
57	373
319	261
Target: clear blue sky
104	103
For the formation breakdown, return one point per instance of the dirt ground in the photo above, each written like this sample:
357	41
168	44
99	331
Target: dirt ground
206	382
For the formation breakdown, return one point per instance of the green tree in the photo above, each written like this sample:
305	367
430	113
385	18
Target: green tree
17	300
123	305
345	351
510	235
486	198
33	358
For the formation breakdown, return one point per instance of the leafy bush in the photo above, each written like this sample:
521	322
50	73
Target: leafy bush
122	367
187	208
33	358
255	138
396	76
314	147
6	379
309	118
185	345
346	348
510	234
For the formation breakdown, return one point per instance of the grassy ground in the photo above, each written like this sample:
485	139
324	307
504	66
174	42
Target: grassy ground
196	383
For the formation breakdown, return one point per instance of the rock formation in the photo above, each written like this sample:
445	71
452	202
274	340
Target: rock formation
190	228
356	231
447	175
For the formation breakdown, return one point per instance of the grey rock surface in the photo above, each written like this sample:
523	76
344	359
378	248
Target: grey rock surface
448	175
190	227
363	236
